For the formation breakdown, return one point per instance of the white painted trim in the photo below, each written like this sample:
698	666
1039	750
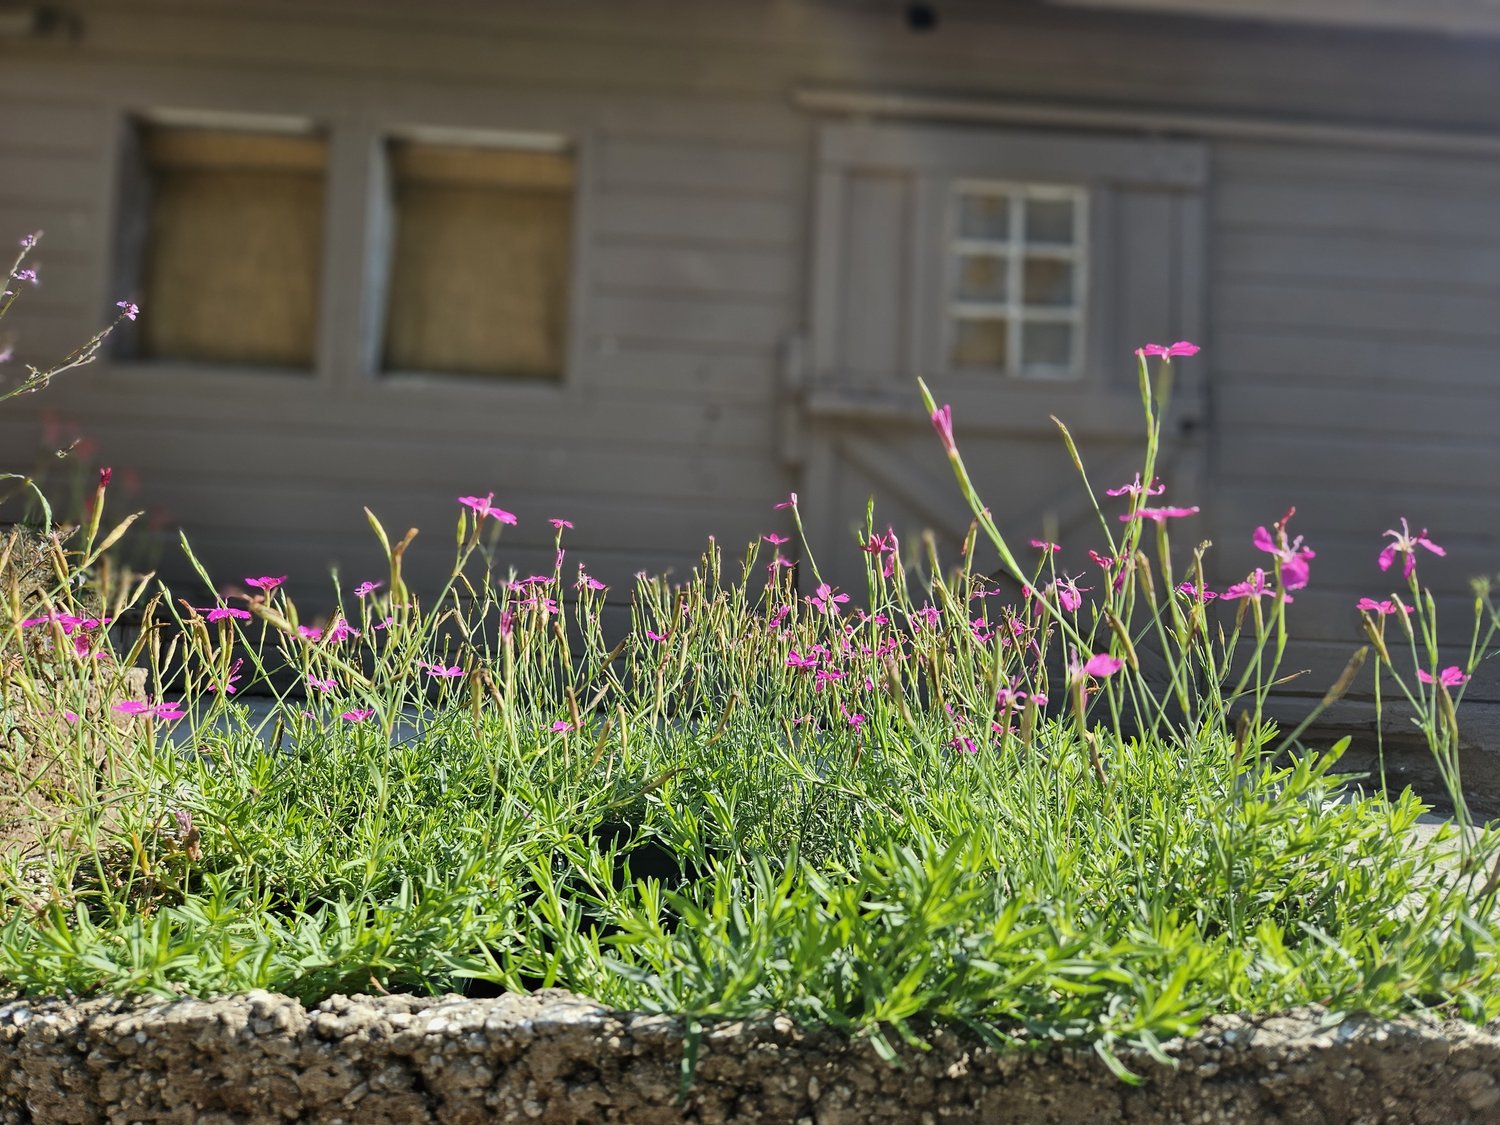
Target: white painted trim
908	107
523	141
229	121
1470	17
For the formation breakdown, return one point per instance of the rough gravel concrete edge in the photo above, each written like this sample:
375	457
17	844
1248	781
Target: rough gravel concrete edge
553	1057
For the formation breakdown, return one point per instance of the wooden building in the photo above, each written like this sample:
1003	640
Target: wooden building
650	265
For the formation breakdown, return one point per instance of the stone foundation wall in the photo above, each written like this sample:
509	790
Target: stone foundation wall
552	1057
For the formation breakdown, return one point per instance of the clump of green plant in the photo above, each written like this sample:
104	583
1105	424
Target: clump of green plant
943	803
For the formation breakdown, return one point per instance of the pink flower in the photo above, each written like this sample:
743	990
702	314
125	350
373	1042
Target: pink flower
440	671
789	502
1255	586
220	612
308	633
776	540
1452	676
28	242
341	630
1100	664
1045	546
484	508
234	675
585	582
796	661
1069	593
167	712
826	601
1404	543
657	637
1181	347
128	309
560	524
1160	515
561	725
826	675
855	720
1107	564
963	743
1191	590
25	275
324	686
1292	557
365	589
266	584
942	422
358	715
1155	488
106	475
1384	608
67	621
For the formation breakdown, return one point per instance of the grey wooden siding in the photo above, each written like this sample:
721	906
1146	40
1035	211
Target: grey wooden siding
662	432
1356	357
1350	303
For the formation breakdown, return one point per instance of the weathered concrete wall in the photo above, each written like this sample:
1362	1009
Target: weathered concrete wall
553	1057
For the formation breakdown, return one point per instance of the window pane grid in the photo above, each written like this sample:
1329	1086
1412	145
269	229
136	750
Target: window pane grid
1017	263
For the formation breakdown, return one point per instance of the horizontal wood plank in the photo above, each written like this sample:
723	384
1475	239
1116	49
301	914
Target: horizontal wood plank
1399	261
692	320
1373	210
1338	310
690	217
632	163
640	265
52	125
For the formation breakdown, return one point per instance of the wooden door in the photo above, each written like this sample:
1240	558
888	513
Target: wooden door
955	254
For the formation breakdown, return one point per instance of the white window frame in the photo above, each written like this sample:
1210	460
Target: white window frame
1015	248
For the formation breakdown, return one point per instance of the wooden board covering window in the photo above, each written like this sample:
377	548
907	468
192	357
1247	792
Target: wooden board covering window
480	261
233	255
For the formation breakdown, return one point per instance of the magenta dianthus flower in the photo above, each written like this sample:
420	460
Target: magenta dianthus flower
1404	543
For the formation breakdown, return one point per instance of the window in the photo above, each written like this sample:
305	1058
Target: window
1018	274
479	263
1014	265
222	239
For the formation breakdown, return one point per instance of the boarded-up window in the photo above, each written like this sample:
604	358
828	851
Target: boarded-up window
479	261
229	266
